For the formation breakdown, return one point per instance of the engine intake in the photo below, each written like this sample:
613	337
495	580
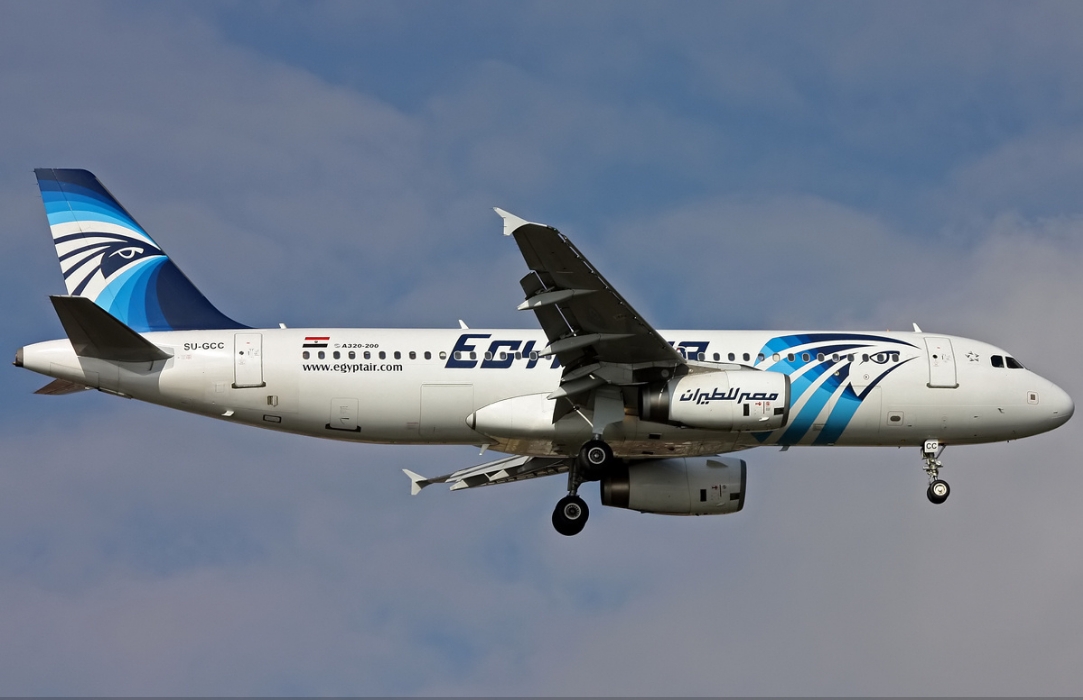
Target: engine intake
678	486
741	400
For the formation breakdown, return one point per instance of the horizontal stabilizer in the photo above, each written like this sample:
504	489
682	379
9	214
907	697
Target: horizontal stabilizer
59	387
94	332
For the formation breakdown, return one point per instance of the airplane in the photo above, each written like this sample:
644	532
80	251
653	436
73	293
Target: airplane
598	394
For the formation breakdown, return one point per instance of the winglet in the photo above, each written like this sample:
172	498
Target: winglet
511	221
417	482
916	329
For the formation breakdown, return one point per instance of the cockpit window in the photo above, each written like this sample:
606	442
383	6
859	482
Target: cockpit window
997	360
1013	363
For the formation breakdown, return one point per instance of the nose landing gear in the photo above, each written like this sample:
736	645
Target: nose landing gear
571	513
938	488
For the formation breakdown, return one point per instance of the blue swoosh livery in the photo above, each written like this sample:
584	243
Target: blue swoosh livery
109	258
811	393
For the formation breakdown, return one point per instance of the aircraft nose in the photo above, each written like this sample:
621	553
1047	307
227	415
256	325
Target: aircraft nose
1062	405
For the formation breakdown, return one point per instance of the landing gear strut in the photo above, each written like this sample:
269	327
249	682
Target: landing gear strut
571	513
938	488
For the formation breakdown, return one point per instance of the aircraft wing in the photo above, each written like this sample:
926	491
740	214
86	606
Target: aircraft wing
597	335
59	387
501	471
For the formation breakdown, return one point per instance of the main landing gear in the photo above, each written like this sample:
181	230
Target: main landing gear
571	513
938	488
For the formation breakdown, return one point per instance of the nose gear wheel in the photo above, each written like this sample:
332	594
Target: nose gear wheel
938	488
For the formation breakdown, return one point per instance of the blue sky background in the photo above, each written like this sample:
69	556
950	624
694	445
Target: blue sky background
726	165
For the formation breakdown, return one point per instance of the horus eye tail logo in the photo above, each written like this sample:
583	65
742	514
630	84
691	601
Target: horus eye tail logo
107	257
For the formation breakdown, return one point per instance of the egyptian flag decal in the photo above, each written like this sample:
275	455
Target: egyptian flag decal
316	341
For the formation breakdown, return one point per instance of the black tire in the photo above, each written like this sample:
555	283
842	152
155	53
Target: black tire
595	456
938	491
570	515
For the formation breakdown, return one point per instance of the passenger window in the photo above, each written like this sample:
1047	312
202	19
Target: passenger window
458	355
850	357
518	355
383	355
473	355
488	355
413	355
804	357
353	355
894	357
398	355
428	355
731	357
321	354
305	355
835	357
759	358
1012	362
534	356
745	356
774	357
997	361
820	356
701	356
443	355
336	354
864	357
368	355
717	357
789	357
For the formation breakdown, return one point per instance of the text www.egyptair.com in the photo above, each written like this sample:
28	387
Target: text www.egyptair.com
350	368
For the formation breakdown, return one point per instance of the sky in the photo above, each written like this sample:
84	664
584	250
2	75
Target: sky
839	165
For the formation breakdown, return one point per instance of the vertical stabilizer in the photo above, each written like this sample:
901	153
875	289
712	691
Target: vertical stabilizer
108	258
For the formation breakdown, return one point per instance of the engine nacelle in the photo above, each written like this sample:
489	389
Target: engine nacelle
736	400
529	416
678	486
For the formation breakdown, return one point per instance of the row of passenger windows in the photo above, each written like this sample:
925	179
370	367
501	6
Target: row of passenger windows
1008	361
368	355
805	357
533	356
997	360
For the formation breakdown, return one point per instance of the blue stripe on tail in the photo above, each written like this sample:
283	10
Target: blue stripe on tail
107	256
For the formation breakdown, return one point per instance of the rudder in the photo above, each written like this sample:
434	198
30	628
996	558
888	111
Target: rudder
106	256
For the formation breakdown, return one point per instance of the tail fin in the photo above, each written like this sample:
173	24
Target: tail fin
108	258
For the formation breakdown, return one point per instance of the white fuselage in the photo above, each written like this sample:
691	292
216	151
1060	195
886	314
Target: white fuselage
422	386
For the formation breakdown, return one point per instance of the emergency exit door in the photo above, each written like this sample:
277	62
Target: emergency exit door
247	360
941	363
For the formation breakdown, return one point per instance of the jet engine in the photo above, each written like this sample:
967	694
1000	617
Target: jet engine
743	400
678	486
